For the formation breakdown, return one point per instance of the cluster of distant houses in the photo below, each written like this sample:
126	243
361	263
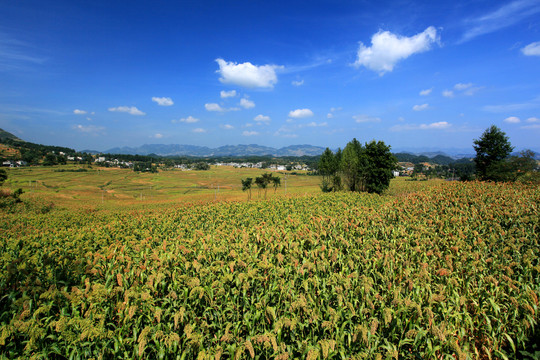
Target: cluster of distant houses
13	163
258	165
102	160
113	162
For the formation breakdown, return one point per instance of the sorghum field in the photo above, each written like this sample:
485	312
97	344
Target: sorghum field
450	271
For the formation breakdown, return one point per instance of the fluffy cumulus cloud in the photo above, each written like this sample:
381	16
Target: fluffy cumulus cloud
387	49
297	82
199	130
249	133
426	92
420	107
226	126
512	120
532	49
366	119
227	94
213	107
247	75
157	136
217	108
246	104
163	101
300	113
435	126
79	112
127	109
262	119
533	120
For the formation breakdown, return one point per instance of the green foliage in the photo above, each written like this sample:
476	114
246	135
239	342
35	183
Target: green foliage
246	186
266	179
3	176
380	164
359	168
201	165
492	148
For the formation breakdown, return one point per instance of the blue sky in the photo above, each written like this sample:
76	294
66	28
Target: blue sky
415	74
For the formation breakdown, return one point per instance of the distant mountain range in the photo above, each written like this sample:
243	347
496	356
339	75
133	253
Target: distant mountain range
409	155
227	150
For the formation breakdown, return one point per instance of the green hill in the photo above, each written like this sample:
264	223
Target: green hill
4	135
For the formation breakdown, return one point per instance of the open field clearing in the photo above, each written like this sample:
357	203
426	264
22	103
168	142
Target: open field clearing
447	272
75	186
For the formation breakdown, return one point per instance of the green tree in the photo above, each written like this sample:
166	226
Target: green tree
246	186
329	164
276	181
50	159
380	164
353	163
3	176
492	149
516	168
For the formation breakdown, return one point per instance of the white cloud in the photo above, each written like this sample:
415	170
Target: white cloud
436	125
297	82
420	107
387	49
199	130
262	118
249	133
531	104
461	86
441	125
127	109
507	15
218	108
79	112
531	127
214	107
189	120
227	94
227	127
300	113
163	101
158	136
314	124
366	118
512	120
426	92
329	115
533	120
246	104
532	49
247	74
90	129
448	93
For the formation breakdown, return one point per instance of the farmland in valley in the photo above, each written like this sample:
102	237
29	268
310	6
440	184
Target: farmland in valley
428	270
